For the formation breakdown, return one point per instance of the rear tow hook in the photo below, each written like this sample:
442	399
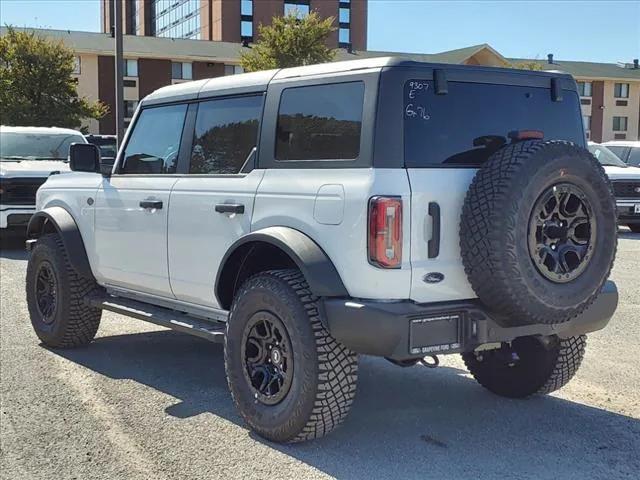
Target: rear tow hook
433	363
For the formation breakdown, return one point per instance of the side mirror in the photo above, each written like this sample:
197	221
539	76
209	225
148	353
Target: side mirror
84	157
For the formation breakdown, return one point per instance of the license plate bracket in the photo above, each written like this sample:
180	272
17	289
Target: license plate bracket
438	333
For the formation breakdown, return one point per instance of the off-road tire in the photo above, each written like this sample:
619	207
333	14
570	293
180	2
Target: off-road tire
494	231
635	228
324	371
74	323
540	369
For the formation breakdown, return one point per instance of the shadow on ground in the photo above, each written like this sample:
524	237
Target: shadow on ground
405	423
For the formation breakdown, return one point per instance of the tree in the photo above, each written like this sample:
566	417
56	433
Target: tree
36	83
527	65
290	42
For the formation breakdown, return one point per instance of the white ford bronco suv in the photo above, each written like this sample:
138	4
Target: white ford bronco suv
307	215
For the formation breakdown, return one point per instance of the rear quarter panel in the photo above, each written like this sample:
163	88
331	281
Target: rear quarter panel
309	200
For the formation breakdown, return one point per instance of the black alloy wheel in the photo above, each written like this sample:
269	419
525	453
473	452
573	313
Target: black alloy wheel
46	292
562	233
268	358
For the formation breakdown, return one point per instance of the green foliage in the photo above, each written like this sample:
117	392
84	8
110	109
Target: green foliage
527	65
36	83
290	42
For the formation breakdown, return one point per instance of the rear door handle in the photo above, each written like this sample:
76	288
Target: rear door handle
152	204
433	246
230	208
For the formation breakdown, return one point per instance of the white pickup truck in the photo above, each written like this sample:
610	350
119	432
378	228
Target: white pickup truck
28	155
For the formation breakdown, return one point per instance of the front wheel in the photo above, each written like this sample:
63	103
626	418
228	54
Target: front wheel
289	379
56	297
527	366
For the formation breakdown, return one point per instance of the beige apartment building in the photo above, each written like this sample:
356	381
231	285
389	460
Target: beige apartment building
610	92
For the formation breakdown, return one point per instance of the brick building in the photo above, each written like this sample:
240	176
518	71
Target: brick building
233	20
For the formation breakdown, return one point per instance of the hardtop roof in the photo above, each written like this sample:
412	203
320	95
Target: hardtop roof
258	81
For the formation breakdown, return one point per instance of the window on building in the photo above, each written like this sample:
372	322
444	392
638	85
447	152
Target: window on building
299	8
246	30
344	18
620	124
225	135
586	120
155	141
344	15
621	90
584	89
130	67
176	18
130	108
246	7
246	20
344	37
181	71
77	64
233	69
320	122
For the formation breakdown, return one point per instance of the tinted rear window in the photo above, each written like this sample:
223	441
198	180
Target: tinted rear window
320	122
467	125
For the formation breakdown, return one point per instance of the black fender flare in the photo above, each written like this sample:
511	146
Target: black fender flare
317	268
67	228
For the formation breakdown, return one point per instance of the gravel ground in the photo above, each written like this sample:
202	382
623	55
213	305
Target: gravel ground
145	403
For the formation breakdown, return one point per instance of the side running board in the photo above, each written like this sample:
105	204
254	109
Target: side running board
165	317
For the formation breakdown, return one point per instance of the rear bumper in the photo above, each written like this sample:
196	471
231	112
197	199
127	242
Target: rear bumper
404	330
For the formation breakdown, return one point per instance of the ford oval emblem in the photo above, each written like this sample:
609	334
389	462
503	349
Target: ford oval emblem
637	189
433	277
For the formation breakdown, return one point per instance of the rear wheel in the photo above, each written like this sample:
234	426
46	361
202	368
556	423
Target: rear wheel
527	366
56	297
290	380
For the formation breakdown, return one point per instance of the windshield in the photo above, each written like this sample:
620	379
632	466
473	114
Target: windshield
36	146
606	156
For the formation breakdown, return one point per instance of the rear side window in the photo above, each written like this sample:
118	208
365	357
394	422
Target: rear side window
320	122
226	134
473	120
155	141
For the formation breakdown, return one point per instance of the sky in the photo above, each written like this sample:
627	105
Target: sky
598	31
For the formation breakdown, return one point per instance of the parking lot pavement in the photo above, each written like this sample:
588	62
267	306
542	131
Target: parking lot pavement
146	403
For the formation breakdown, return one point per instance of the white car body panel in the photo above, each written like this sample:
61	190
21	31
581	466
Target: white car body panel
622	173
447	187
199	236
290	198
131	241
72	192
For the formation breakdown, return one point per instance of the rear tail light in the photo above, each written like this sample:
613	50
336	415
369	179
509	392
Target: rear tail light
385	232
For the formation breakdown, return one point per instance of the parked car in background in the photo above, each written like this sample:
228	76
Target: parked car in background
28	155
108	146
626	185
627	151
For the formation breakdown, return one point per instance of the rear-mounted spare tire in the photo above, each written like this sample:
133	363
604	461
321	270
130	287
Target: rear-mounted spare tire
538	232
